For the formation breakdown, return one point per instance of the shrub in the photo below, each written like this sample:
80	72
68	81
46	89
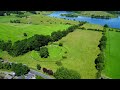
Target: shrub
59	63
38	66
44	52
64	73
25	34
64	57
100	66
60	44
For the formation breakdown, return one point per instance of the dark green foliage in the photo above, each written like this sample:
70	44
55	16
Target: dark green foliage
98	74
19	69
99	16
99	59
64	57
60	44
64	73
14	21
38	66
44	52
25	34
69	15
5	46
26	45
106	26
100	66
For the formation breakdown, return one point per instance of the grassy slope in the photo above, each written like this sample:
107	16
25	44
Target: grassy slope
82	50
42	19
112	68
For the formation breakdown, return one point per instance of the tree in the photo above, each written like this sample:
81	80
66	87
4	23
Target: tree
64	73
38	66
44	52
106	26
60	44
25	34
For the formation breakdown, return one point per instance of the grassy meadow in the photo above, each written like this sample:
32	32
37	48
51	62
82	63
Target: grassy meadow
112	60
81	48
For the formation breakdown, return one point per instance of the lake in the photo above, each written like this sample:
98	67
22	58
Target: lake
113	22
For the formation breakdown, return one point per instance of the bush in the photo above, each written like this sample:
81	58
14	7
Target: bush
38	66
64	57
64	73
25	34
59	63
60	44
44	52
100	66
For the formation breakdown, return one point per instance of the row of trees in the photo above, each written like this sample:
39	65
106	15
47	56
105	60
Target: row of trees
100	16
19	68
99	61
69	15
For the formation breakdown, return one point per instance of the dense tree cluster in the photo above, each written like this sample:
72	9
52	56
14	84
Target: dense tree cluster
64	73
19	68
44	52
26	45
5	46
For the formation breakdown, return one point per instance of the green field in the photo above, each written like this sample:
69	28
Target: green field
15	32
112	64
81	49
92	26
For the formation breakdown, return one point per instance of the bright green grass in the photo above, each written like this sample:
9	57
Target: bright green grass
6	19
81	49
112	65
92	26
15	32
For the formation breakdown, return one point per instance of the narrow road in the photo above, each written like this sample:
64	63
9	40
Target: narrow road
41	74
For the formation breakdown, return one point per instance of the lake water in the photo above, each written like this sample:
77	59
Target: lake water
114	22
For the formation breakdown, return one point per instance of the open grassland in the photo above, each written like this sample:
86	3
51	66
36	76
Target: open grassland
81	48
92	26
95	13
15	32
112	60
42	19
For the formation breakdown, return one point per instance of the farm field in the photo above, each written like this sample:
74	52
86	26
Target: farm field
81	48
15	32
112	60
